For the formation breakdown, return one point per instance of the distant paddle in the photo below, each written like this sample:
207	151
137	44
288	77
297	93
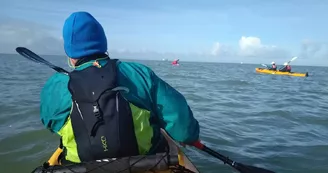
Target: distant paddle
289	62
238	166
265	65
36	58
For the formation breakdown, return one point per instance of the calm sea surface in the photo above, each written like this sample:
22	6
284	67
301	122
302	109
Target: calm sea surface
276	122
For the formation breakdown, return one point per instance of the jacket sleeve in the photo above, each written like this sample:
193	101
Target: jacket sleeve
173	108
150	91
55	103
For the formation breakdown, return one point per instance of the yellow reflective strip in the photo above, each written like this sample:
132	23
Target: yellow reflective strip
69	142
142	128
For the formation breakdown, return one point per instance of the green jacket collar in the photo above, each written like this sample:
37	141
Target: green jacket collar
101	61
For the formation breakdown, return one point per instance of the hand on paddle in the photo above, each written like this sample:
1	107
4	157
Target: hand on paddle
190	144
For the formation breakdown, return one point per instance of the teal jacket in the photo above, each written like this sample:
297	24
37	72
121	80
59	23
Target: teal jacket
147	91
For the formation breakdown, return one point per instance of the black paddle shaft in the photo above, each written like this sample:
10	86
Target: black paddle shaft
240	167
36	58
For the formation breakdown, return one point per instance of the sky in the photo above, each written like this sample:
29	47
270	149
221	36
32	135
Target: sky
249	31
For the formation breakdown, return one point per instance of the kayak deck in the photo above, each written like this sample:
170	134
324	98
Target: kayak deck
267	71
173	161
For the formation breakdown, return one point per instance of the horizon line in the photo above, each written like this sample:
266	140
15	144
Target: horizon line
160	59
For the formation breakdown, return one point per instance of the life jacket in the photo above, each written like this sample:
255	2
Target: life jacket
274	66
288	67
101	118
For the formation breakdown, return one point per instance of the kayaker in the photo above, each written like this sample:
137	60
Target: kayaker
273	66
175	62
286	68
107	108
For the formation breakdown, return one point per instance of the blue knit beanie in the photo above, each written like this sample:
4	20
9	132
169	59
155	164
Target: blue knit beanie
83	36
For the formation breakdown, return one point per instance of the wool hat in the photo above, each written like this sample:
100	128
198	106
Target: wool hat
83	36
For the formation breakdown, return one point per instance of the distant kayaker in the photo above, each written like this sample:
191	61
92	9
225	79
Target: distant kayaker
175	62
107	108
273	66
286	68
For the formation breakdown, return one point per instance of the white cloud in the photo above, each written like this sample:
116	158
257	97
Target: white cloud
249	48
46	40
216	49
15	33
222	50
252	46
314	50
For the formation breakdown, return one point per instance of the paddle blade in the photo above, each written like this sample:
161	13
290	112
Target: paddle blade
250	169
36	58
293	59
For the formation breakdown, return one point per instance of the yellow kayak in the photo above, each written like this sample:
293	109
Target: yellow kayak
267	71
175	161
